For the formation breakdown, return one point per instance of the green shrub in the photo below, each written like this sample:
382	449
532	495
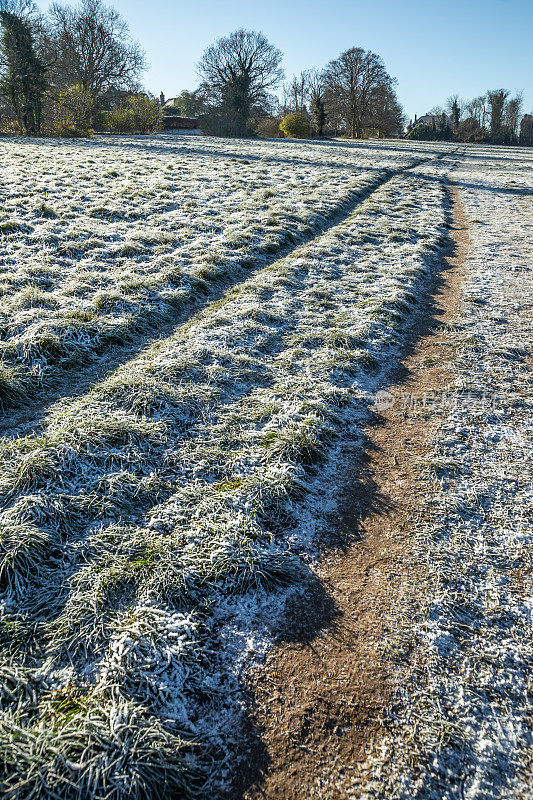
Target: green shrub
140	114
296	126
10	127
76	108
422	132
121	121
145	113
428	133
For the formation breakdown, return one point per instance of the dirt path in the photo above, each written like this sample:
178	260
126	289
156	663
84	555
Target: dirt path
318	700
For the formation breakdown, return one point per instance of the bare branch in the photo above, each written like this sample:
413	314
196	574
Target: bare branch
239	70
93	48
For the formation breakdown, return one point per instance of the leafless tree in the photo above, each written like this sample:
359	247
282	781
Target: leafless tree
350	82
455	108
387	116
238	71
478	110
92	48
493	117
296	93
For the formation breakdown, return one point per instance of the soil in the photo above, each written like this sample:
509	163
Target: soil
318	701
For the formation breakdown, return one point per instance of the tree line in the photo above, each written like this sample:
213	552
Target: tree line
77	68
495	117
71	70
353	95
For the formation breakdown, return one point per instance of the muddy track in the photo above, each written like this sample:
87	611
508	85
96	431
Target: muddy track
29	416
317	702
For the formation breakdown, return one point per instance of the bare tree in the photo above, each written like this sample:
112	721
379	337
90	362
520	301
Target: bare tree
296	92
478	110
493	117
92	48
350	81
387	115
239	70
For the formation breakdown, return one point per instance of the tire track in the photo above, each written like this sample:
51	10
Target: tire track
93	576
29	414
318	701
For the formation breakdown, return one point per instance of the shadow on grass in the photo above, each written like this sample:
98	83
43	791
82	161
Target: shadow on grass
312	611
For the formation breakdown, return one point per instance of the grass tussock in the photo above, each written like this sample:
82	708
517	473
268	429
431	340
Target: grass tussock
24	553
86	746
297	444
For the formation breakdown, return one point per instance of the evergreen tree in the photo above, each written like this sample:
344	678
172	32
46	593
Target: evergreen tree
526	130
24	80
236	97
497	100
318	110
456	113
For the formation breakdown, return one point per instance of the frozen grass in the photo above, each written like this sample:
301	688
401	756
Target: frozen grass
461	723
128	234
169	489
92	746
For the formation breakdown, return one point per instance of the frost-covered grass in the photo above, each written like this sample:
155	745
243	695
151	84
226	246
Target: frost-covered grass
104	240
140	509
462	724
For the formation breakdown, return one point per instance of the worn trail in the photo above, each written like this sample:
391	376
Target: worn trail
319	699
158	505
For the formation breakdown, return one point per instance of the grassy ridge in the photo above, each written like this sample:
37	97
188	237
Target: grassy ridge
173	486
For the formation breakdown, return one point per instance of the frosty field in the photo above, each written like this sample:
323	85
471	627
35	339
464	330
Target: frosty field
192	331
103	241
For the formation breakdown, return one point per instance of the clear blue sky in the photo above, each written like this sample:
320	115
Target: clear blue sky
434	47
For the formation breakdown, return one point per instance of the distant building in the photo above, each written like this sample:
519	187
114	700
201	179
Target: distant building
172	118
175	122
170	103
433	120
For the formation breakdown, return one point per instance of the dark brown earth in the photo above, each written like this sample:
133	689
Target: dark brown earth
318	702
